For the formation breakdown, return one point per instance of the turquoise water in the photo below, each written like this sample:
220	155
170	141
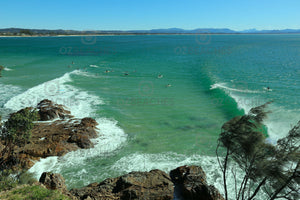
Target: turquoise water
143	124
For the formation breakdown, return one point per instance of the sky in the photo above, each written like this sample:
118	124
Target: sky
150	14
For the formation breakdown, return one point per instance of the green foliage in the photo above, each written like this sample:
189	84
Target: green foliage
26	177
33	193
26	32
16	131
19	124
7	181
242	137
273	169
10	179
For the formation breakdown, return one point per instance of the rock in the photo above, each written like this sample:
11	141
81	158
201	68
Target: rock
153	185
54	138
88	122
81	140
190	183
53	181
48	111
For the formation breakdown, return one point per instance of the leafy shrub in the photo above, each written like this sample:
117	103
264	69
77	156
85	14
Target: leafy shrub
7	180
33	193
19	124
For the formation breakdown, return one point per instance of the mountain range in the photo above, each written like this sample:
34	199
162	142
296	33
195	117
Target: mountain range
14	31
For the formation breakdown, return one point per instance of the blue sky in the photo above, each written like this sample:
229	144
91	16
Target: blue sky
140	14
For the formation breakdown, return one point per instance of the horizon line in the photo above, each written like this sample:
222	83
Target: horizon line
250	29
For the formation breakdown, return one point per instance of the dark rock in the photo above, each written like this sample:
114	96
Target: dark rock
88	122
153	185
54	138
190	183
48	111
53	181
81	140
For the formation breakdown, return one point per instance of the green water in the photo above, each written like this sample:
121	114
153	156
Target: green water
160	127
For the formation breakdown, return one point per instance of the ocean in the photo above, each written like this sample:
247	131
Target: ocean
160	100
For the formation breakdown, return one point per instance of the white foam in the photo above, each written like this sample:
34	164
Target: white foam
243	100
111	137
79	102
87	74
7	92
246	103
223	86
43	166
95	66
278	122
147	162
169	161
7	69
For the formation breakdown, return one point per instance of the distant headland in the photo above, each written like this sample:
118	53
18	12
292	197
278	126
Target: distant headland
175	31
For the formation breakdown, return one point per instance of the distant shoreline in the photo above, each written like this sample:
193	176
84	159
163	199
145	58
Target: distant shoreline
136	34
163	31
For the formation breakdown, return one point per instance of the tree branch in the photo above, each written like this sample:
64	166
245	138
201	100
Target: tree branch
286	182
258	188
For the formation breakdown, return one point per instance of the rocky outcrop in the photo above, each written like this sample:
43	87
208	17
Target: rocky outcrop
153	185
58	138
55	138
53	181
190	183
48	111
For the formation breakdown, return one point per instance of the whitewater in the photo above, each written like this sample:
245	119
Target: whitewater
182	123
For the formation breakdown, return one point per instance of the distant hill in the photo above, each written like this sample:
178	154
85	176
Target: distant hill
21	31
271	31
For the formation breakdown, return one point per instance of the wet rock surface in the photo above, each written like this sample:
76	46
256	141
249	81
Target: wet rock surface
190	183
55	138
153	185
48	110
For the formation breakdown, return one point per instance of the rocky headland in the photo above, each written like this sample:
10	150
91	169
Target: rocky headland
183	183
57	132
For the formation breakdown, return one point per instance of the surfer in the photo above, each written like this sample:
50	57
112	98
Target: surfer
268	89
160	76
169	85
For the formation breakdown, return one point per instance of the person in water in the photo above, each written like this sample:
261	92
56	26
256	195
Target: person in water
268	89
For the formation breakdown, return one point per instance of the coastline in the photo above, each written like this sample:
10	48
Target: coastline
61	88
144	34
